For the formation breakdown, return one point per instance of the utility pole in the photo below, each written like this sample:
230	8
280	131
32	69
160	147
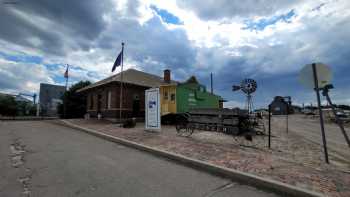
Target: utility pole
211	83
269	126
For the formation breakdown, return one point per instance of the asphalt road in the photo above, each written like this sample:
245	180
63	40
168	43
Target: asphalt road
43	159
310	129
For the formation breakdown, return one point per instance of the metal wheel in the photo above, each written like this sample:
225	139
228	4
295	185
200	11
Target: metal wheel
189	130
181	127
185	130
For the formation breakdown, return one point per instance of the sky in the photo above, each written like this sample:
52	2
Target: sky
268	41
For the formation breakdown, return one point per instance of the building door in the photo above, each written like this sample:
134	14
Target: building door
99	103
136	106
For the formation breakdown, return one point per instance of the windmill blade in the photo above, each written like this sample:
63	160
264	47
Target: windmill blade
249	86
236	88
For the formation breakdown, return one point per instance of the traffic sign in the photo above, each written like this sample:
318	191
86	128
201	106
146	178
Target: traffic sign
324	75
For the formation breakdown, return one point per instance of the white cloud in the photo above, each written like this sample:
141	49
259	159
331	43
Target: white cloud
233	104
23	77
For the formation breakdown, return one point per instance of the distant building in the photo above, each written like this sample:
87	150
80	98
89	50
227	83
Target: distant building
296	109
50	96
17	97
20	98
279	106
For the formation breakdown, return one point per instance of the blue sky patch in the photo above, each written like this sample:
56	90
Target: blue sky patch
167	16
22	58
264	22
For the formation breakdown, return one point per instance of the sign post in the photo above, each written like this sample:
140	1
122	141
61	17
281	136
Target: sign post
320	111
152	110
317	76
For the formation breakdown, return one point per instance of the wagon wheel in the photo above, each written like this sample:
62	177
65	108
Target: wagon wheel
185	130
245	126
180	127
181	123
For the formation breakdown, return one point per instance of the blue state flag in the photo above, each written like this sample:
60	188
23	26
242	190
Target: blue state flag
118	61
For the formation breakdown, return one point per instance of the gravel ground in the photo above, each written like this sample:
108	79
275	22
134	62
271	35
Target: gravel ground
291	159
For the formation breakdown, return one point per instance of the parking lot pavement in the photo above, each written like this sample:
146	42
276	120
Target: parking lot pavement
42	159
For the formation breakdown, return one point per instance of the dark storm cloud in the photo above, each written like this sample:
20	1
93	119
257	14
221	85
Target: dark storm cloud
218	9
275	61
47	25
151	45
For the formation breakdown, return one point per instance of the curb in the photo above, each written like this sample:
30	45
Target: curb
249	179
27	118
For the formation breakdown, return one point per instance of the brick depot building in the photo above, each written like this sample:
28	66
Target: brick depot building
104	96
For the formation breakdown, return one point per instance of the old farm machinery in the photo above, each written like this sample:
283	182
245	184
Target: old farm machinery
234	122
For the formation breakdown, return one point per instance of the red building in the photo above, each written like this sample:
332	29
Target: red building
103	96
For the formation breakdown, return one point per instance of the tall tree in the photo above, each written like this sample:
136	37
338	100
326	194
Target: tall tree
75	103
8	105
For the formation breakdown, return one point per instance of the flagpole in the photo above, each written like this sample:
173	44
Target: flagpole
121	86
65	90
67	77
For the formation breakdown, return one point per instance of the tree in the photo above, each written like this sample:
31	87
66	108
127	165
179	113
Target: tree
75	103
8	105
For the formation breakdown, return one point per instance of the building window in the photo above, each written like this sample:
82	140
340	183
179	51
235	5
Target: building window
172	97
201	89
109	98
166	95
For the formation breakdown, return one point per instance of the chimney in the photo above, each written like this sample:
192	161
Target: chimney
167	77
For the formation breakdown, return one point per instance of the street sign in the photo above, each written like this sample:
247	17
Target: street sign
324	75
152	105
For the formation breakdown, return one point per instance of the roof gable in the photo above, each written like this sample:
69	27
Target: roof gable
131	76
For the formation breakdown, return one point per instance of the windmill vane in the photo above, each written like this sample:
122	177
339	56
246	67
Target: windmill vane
235	88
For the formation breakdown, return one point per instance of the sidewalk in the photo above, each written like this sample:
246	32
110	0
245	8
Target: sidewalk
293	161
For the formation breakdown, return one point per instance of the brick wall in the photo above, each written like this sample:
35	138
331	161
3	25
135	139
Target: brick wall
130	94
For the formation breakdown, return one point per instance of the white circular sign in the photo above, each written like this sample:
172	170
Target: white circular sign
324	75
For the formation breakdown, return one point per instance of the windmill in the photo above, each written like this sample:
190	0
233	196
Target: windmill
248	86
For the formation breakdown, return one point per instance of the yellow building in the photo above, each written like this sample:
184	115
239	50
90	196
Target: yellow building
168	99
